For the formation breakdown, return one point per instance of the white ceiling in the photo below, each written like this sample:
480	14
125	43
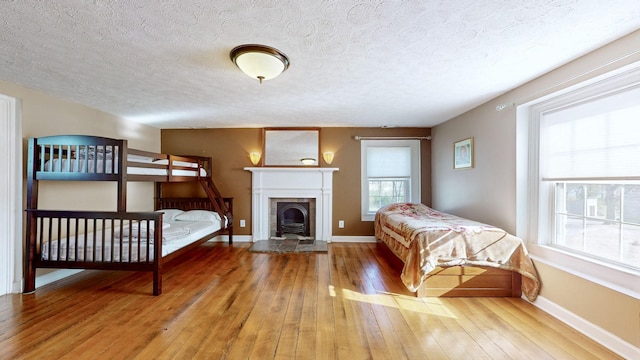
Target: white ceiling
353	62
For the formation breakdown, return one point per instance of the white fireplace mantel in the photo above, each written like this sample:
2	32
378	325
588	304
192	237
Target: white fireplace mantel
279	182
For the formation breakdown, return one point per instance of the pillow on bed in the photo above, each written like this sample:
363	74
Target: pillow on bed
170	214
198	215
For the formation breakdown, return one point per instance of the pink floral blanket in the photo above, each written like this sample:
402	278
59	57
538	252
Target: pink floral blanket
424	238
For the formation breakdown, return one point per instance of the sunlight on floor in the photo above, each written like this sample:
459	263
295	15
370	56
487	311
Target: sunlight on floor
432	306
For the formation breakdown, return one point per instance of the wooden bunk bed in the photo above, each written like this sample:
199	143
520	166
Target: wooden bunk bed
440	254
117	240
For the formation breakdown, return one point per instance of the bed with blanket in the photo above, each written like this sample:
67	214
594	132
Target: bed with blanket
118	240
444	255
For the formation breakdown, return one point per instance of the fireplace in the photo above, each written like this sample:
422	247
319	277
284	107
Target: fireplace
292	217
270	185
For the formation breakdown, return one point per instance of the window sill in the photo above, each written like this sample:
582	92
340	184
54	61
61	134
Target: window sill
625	281
368	217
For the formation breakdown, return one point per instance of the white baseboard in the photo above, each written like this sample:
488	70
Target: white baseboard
55	275
16	287
598	334
353	239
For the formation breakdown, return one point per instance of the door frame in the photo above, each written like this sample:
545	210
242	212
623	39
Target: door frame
11	250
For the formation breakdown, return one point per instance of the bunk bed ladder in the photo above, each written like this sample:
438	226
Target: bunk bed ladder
216	198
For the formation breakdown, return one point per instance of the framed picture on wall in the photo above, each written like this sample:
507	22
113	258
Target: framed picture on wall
463	154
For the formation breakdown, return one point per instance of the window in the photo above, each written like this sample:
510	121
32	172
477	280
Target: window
390	174
599	219
579	176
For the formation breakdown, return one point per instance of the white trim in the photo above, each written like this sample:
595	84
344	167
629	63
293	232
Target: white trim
55	275
11	195
621	280
292	182
353	239
598	334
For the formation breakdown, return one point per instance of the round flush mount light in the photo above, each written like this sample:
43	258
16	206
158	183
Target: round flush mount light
308	161
259	61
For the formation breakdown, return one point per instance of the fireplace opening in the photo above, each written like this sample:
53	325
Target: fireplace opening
292	218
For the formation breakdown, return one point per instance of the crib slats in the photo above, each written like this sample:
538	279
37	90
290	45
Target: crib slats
111	232
77	158
42	157
71	237
138	230
121	237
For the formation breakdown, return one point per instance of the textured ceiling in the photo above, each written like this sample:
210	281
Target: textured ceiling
353	63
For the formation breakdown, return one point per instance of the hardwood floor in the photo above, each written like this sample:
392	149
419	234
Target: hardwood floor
222	302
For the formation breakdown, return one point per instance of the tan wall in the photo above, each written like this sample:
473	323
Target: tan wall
488	192
230	150
44	115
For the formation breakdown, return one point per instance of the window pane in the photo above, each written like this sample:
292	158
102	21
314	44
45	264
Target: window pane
631	245
387	191
591	200
575	199
374	195
603	239
606	199
569	232
589	220
632	204
374	187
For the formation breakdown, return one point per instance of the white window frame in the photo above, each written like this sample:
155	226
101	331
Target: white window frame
414	193
535	198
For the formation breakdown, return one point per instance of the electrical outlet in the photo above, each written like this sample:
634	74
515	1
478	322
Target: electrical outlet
341	224
242	223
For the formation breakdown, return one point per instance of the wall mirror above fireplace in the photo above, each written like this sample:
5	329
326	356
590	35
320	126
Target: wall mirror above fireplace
291	146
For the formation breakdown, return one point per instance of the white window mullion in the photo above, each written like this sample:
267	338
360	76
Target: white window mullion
585	210
621	226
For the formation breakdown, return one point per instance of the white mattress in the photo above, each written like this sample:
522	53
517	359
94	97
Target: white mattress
176	235
89	166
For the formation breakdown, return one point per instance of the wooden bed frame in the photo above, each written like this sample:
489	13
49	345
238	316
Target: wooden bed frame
462	281
67	147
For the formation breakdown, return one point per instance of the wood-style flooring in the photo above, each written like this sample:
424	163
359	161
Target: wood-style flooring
224	302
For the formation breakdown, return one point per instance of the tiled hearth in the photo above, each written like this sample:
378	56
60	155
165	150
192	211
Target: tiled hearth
312	184
289	245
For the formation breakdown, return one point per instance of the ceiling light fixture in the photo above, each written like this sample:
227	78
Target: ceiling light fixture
308	161
259	61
